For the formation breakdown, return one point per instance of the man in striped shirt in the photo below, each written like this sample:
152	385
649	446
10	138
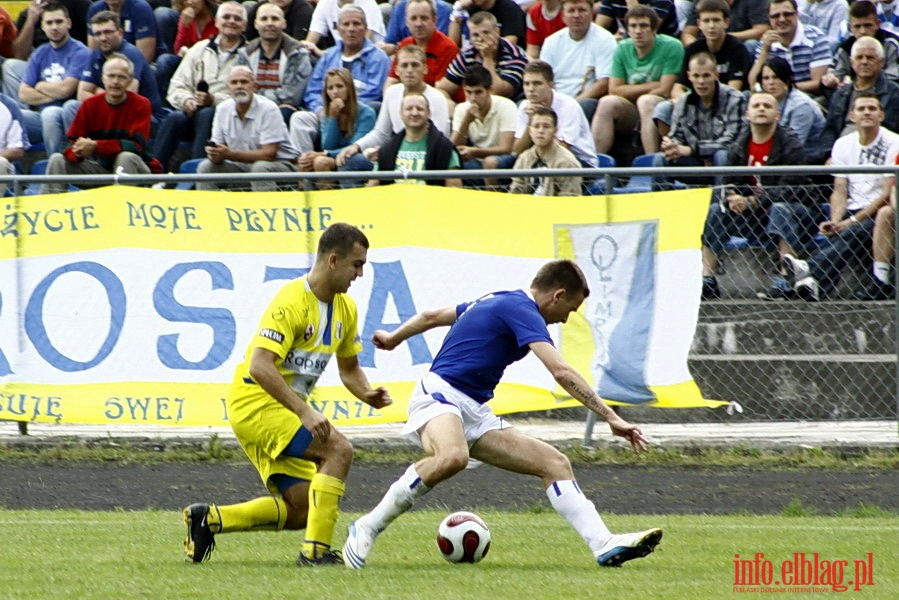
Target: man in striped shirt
805	47
281	64
504	60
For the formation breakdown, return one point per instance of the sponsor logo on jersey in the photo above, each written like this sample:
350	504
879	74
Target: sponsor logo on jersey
278	313
272	335
300	361
310	331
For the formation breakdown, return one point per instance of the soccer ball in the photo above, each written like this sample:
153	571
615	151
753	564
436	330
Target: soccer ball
463	537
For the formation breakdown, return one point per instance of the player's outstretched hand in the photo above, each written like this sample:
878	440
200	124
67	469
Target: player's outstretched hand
383	340
378	397
631	433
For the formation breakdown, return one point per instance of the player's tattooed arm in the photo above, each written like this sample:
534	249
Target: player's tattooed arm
588	398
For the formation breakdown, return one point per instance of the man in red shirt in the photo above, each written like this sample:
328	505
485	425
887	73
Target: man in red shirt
440	50
752	206
8	33
110	132
543	19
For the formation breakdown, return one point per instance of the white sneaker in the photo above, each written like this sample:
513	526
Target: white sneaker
627	546
807	288
796	269
359	542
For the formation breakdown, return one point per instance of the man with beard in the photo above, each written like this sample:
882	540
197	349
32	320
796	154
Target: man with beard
248	136
199	85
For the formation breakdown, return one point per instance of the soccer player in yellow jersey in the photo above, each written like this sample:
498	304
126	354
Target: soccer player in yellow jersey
302	459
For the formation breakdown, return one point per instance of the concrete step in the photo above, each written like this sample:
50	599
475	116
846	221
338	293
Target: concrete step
755	327
808	387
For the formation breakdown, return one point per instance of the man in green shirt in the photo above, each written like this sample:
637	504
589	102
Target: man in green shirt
644	69
418	147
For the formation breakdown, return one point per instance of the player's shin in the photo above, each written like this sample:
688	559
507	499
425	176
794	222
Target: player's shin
325	493
398	499
268	513
568	500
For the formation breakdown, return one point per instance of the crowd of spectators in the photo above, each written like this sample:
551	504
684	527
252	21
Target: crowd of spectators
320	85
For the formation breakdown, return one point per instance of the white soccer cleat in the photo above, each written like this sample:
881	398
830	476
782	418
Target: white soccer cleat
627	546
359	542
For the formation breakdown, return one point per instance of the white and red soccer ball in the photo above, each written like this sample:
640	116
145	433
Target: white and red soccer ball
463	537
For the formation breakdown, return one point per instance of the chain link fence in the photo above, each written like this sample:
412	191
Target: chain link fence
788	359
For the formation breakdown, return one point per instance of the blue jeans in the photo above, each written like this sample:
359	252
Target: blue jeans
722	224
178	126
356	162
46	126
719	159
795	223
166	26
166	65
825	265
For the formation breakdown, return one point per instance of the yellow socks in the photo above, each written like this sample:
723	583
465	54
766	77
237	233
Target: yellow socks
268	513
325	493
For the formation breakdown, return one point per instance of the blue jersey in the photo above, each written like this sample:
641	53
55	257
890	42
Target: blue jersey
489	335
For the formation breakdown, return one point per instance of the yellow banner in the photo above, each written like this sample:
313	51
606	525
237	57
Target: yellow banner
131	305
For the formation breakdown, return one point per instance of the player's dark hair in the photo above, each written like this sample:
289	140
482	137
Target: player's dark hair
563	274
542	68
781	69
106	16
866	94
477	75
543	111
641	10
792	2
861	10
340	238
56	7
707	6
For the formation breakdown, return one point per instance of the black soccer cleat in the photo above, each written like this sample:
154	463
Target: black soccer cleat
331	557
200	540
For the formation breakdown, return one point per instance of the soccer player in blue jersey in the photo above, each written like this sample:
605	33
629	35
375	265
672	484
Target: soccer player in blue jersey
302	459
449	416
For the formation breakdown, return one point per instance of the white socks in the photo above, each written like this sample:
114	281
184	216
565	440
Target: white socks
568	500
882	272
398	499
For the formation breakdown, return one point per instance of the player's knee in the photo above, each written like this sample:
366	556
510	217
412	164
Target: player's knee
340	449
451	462
558	466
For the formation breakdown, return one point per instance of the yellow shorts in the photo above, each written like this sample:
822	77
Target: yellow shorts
264	428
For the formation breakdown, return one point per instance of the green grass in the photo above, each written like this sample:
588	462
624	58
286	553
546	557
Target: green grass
216	450
87	555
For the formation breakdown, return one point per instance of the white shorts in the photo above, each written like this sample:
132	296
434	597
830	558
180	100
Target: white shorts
434	397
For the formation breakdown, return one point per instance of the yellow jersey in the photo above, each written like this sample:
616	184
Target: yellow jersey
304	332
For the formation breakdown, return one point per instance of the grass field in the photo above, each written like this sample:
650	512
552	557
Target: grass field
87	555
